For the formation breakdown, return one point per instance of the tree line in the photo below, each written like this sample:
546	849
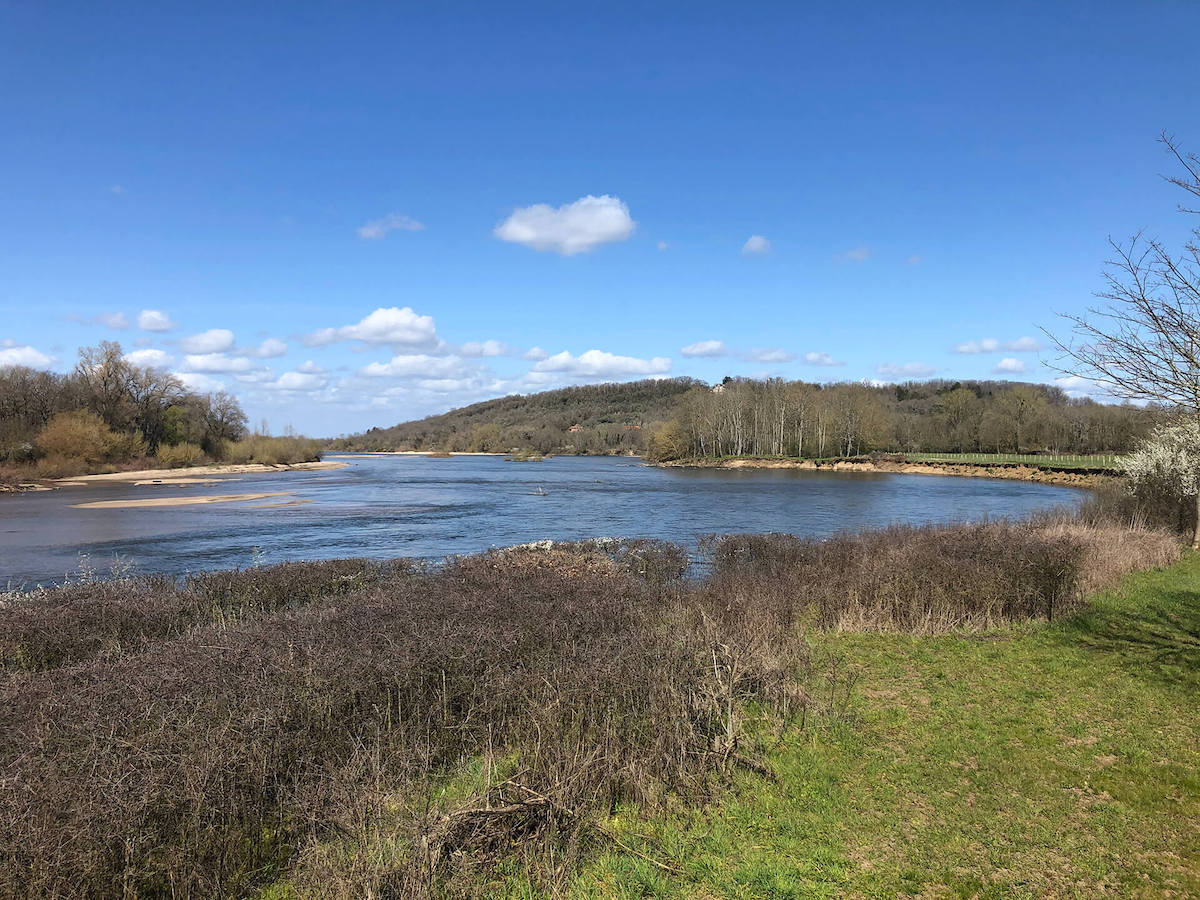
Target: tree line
108	410
774	417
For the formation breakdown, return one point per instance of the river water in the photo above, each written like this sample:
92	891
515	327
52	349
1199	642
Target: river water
415	506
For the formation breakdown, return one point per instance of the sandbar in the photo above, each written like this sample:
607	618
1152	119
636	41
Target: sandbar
176	501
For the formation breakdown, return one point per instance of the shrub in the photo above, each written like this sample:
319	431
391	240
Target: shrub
270	451
83	435
176	455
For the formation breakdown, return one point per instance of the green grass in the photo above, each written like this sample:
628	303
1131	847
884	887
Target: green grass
1053	460
1058	760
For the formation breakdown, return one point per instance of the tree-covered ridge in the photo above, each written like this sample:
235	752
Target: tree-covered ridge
683	417
595	418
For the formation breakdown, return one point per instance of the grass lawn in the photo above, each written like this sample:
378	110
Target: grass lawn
1059	760
1093	461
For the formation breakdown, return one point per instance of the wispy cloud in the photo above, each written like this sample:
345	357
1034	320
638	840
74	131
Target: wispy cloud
215	340
770	355
904	370
573	228
705	349
484	348
378	229
992	345
756	245
821	359
858	254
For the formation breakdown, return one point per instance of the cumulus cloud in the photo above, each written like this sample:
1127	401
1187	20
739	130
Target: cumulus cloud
416	365
991	345
905	370
602	364
377	229
216	362
24	355
484	348
154	320
535	353
309	366
151	359
1010	365
756	245
705	349
215	340
770	355
573	228
298	381
269	348
391	325
199	382
858	254
821	359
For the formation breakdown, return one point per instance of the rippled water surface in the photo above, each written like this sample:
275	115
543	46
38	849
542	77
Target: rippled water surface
420	507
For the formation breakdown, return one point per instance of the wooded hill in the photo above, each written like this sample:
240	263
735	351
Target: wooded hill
591	419
683	417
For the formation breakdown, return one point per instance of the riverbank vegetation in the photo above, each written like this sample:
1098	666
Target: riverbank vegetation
355	728
112	415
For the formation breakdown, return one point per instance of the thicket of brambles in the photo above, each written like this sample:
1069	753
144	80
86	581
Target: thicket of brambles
774	417
109	411
684	418
357	728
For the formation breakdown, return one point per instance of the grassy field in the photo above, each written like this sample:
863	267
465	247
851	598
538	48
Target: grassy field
1051	760
1090	461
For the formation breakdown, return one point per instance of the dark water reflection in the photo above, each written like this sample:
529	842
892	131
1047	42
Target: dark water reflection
419	507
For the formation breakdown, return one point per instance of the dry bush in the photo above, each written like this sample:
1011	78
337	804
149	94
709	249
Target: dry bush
932	578
270	451
83	435
190	767
79	622
178	455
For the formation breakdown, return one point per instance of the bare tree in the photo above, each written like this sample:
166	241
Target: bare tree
1144	343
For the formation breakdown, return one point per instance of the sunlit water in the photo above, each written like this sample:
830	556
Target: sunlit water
430	508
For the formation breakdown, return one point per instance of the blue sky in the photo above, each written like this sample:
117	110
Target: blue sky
356	214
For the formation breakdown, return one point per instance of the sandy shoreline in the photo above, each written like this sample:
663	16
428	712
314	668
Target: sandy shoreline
179	501
962	470
192	474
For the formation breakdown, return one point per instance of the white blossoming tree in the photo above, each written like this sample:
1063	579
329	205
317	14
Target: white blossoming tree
1168	463
1144	344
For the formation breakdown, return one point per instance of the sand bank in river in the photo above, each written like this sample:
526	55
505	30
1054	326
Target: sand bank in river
193	474
177	501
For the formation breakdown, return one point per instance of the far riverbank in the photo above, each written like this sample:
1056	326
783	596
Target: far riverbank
965	470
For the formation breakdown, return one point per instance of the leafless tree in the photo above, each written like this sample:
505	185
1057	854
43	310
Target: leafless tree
1144	342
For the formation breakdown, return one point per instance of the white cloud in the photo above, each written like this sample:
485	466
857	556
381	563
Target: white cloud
1009	366
600	363
821	359
417	365
770	355
24	355
485	348
905	370
987	345
216	362
569	229
858	254
154	320
390	325
215	340
662	246
1023	345
200	383
151	359
269	348
756	245
112	320
377	229
705	349
535	353
299	381
309	366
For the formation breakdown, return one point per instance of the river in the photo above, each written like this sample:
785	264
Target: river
389	506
